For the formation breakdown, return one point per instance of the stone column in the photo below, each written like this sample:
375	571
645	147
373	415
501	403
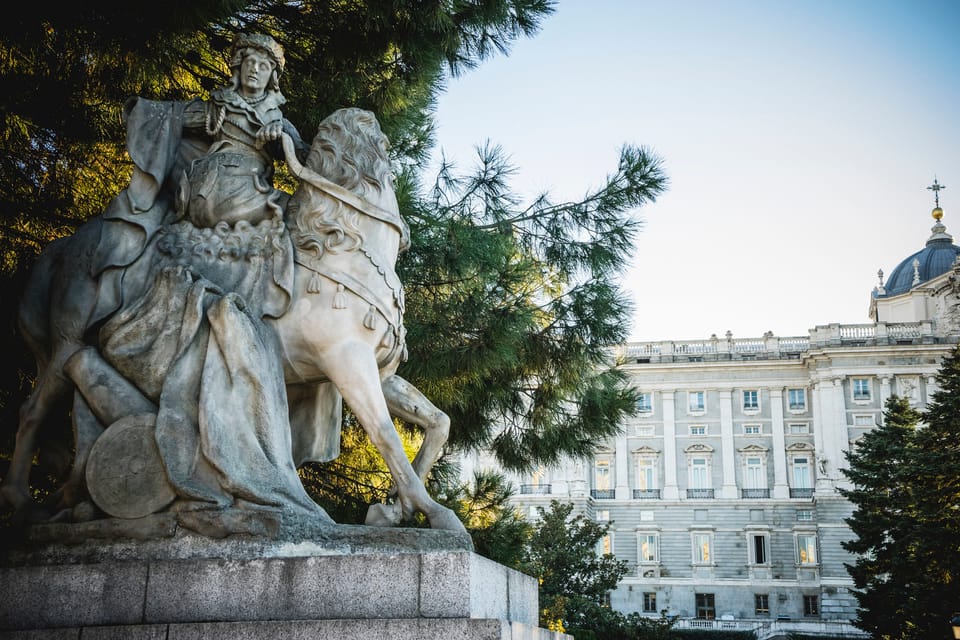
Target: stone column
841	434
931	389
822	413
622	488
884	394
781	488
670	489
727	453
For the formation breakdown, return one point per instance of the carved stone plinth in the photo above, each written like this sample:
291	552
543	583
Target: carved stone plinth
188	586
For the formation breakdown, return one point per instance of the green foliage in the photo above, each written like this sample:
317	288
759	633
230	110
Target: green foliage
562	554
907	518
511	307
498	530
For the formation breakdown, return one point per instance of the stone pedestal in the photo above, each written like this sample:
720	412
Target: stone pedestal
192	587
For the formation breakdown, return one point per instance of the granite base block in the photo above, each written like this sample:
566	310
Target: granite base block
408	589
422	629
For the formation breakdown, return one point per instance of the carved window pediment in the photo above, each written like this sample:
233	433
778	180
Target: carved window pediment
699	448
800	446
645	451
753	448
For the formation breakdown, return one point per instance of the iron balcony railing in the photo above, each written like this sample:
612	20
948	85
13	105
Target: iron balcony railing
700	493
801	493
602	494
646	494
754	493
535	489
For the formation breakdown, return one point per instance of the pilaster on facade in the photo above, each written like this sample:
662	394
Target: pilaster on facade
671	491
841	436
622	487
781	489
728	460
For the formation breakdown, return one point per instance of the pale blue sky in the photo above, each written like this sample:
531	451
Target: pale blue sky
799	138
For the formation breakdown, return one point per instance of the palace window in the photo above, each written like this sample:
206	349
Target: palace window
602	486
645	403
648	547
802	474
754	472
606	543
700	473
811	606
759	544
751	400
804	515
645	481
702	548
861	389
698	430
696	401
649	602
706	607
761	604
806	548
864	420
752	429
798	428
797	399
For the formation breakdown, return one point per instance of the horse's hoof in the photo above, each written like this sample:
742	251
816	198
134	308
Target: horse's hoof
447	520
384	515
14	498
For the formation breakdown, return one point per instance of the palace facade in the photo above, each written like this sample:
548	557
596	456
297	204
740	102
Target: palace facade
723	491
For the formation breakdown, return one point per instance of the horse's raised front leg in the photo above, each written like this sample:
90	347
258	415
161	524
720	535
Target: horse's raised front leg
406	402
358	379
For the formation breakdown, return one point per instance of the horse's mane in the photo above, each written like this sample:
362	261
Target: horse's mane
351	151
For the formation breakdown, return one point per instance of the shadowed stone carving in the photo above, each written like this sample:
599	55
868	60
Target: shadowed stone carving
207	327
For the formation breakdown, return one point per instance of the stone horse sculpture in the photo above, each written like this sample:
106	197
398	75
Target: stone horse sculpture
341	334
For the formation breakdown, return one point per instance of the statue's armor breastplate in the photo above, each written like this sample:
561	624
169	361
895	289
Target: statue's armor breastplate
233	182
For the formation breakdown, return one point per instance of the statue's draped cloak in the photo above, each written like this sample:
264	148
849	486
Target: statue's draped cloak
183	312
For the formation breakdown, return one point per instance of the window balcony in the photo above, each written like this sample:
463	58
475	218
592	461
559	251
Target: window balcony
535	489
602	494
700	493
754	494
801	493
646	494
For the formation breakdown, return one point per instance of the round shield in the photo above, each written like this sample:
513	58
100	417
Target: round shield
125	474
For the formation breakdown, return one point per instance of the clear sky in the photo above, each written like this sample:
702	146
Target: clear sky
799	137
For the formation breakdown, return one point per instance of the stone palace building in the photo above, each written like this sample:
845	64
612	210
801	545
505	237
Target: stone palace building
723	491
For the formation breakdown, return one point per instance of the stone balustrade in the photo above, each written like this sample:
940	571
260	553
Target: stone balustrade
771	347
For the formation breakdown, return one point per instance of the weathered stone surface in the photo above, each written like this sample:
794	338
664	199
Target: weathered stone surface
422	629
158	537
139	486
72	595
355	586
225	343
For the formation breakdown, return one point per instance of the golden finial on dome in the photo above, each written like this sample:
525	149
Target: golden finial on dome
936	187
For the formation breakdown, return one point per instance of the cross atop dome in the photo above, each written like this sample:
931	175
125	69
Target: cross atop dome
936	187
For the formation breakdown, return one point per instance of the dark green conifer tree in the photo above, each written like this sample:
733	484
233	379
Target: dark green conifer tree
906	476
512	307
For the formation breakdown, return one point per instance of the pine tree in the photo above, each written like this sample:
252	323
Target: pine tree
512	307
906	475
563	555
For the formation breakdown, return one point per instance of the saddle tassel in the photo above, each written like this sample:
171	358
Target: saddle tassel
314	285
370	320
340	300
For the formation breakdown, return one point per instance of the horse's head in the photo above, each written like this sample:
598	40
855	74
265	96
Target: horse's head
349	151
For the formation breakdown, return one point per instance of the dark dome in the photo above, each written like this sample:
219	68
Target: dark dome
934	259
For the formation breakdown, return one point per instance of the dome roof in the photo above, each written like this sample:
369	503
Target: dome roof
933	260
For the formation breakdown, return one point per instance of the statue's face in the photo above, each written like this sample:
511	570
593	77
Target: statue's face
255	73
